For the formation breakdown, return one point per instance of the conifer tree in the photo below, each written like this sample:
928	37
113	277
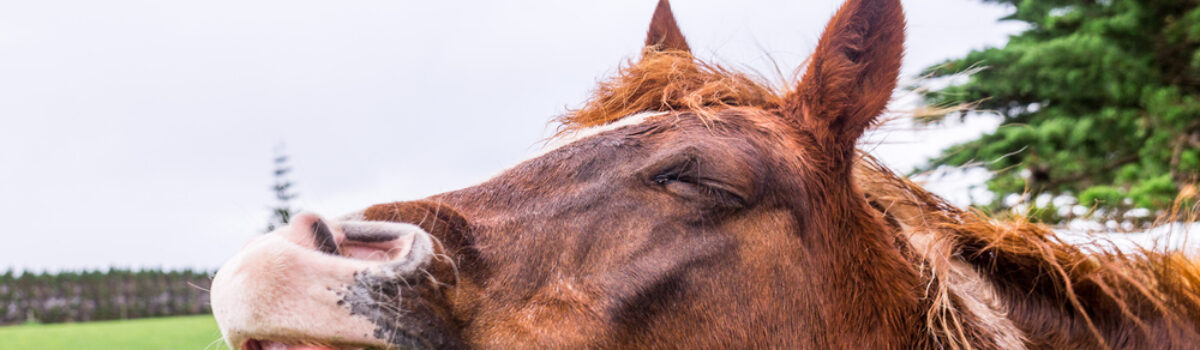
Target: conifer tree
282	212
1100	100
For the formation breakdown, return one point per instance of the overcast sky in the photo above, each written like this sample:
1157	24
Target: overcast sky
140	133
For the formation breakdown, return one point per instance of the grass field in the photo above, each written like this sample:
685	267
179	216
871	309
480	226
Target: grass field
183	333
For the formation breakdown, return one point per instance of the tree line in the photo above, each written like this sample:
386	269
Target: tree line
115	294
91	295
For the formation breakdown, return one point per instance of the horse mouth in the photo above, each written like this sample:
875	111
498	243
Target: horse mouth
255	344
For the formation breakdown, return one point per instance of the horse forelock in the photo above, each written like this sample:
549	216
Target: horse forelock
670	80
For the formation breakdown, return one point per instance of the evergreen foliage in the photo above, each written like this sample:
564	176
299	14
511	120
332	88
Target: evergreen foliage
1099	99
282	212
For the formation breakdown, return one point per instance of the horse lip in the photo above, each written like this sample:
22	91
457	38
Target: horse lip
256	344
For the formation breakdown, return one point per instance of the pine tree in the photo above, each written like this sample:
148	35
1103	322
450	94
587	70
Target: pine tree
1100	100
282	212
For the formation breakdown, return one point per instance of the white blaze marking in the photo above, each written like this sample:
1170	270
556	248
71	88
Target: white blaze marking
576	136
579	135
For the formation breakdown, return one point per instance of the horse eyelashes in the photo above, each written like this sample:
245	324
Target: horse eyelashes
686	174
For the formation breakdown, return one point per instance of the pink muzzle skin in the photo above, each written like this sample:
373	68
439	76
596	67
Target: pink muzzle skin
285	289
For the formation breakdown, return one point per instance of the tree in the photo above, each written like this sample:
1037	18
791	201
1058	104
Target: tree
1100	100
282	212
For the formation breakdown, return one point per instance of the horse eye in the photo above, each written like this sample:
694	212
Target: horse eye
663	179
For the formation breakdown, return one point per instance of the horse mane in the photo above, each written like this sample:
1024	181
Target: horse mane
953	248
1098	287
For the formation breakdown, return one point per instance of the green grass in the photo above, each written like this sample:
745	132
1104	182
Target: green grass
184	333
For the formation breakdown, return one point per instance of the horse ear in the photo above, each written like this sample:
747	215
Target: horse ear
664	34
851	75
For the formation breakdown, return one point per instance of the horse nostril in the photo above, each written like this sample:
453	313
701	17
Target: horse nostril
370	236
251	344
378	240
323	238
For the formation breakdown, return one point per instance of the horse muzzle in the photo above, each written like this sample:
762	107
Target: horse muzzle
324	285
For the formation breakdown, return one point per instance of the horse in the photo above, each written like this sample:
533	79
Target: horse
687	205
